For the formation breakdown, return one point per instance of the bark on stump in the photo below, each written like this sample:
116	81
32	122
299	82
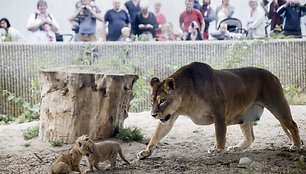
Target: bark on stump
79	100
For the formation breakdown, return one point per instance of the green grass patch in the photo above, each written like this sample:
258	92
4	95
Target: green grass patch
57	143
30	133
130	134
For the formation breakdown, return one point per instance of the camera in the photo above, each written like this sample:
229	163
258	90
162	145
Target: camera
192	25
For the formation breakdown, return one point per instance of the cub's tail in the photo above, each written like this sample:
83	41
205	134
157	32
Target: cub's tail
121	155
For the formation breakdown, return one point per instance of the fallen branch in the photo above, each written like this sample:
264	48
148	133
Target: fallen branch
38	157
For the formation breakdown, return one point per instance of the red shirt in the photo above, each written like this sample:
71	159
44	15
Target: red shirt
187	17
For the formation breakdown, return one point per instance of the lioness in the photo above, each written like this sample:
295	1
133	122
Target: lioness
223	97
99	152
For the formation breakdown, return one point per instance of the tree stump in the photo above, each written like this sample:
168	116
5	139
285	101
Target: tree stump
79	100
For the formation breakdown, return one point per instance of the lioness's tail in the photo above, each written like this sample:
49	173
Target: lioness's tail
121	155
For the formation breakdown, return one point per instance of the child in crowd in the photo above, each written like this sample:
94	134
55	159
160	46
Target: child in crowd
125	36
166	33
194	32
222	33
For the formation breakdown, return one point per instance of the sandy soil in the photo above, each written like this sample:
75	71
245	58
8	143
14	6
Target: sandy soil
183	150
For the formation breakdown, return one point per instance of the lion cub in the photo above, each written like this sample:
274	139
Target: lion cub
67	162
99	152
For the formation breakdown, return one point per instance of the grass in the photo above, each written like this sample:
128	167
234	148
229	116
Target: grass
130	134
31	133
56	143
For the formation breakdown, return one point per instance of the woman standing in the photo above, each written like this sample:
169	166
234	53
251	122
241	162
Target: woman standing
146	21
256	22
42	24
11	34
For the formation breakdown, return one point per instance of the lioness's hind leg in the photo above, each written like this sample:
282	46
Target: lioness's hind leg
292	131
248	136
281	111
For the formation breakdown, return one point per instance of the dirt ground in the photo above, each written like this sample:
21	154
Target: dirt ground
183	150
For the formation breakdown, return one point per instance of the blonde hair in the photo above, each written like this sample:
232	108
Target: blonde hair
144	4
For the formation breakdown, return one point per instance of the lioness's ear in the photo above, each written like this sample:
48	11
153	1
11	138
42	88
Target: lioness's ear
154	81
169	85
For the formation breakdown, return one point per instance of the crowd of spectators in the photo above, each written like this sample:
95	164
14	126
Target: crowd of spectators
133	20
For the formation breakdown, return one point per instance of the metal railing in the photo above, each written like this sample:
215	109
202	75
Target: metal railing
20	63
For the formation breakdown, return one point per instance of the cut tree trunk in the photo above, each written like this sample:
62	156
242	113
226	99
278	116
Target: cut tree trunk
79	100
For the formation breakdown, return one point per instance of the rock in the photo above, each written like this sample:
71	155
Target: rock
245	161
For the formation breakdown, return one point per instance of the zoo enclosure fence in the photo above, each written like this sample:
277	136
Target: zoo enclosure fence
20	63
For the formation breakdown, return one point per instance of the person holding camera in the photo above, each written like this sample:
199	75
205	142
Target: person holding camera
42	24
189	15
86	14
292	12
194	32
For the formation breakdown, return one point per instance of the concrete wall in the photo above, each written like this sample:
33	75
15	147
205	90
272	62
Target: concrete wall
18	11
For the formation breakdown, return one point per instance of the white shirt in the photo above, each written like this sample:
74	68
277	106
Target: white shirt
257	23
15	35
39	35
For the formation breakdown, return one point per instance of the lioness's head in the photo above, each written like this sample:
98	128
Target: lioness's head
165	98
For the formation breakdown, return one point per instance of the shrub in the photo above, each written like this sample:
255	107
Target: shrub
30	132
57	143
130	134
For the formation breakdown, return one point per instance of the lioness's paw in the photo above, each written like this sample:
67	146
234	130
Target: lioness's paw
214	150
233	148
144	154
295	148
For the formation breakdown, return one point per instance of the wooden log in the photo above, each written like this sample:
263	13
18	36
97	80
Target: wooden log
79	100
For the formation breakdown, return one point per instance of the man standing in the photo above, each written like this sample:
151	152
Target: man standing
116	19
189	15
88	13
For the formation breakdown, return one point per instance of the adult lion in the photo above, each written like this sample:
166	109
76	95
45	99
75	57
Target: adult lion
223	97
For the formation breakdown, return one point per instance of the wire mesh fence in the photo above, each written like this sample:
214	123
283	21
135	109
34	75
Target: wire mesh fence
20	63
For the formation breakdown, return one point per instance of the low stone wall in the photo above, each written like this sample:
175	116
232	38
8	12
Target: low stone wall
20	62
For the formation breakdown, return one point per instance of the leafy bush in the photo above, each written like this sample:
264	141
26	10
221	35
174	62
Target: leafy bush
57	143
31	111
294	95
30	133
4	119
141	87
130	134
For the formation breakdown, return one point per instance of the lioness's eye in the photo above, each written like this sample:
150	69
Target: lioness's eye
161	101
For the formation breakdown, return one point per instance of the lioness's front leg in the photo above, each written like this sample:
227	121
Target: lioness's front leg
220	131
160	132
